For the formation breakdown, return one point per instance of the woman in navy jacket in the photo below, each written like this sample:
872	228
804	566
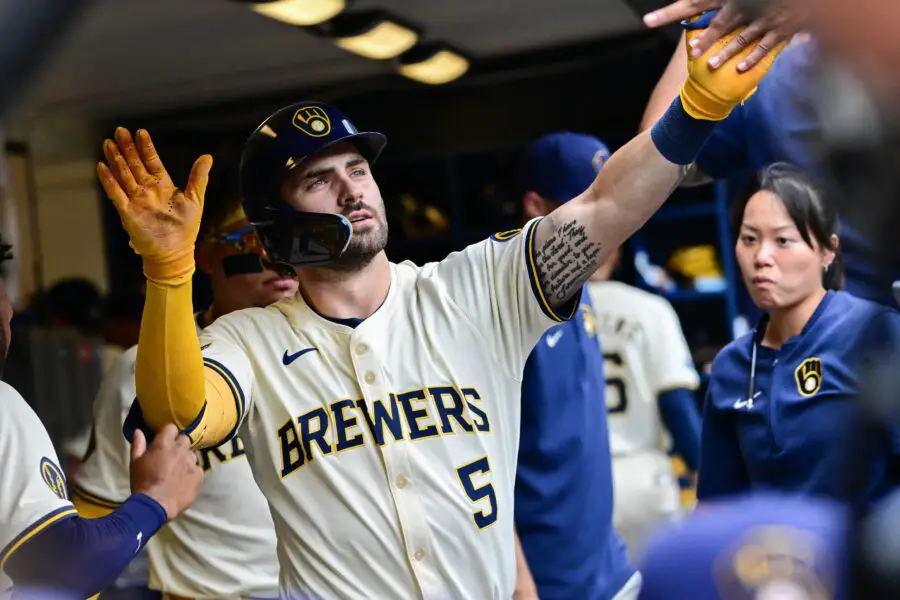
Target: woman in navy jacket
782	398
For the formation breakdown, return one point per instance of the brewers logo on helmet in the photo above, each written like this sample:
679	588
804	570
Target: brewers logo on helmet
280	144
313	121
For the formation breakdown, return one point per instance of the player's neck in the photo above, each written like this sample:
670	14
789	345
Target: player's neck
790	321
347	294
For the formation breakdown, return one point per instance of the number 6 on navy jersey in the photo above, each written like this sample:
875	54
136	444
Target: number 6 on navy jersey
477	494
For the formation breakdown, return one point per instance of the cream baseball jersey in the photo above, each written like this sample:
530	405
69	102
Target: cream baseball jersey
223	545
33	491
644	354
388	450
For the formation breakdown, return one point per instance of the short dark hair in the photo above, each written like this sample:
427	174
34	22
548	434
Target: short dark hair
809	208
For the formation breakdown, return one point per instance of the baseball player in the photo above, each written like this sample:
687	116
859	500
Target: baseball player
650	385
44	543
223	546
379	407
564	460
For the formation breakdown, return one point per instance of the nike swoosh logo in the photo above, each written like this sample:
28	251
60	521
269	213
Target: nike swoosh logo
553	338
205	346
739	404
289	358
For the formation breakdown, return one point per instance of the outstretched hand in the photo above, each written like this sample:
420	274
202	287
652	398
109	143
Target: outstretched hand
777	25
161	219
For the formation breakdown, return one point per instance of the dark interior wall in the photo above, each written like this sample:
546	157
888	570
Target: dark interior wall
600	88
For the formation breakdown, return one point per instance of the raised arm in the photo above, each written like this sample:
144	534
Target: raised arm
667	88
163	221
576	237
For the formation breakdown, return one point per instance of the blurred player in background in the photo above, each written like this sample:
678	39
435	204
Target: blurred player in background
569	550
44	543
650	386
432	355
224	545
782	398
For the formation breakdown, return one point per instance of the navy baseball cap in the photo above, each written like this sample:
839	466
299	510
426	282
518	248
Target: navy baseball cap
560	166
767	545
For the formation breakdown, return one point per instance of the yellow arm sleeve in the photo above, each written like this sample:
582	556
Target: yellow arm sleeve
172	384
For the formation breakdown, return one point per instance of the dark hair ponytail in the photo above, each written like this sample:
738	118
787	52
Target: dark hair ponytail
811	211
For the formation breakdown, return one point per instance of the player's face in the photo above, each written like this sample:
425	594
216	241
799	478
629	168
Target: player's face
245	290
779	268
340	181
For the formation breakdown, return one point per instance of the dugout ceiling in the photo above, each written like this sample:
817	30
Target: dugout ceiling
131	56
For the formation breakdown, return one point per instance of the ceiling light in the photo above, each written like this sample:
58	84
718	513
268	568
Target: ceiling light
299	12
434	65
372	34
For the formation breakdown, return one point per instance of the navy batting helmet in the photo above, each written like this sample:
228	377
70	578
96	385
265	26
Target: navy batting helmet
280	144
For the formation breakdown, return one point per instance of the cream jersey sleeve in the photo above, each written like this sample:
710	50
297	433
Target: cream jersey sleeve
496	288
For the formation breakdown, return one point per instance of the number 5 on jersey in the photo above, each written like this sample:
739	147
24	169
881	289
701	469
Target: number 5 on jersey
476	494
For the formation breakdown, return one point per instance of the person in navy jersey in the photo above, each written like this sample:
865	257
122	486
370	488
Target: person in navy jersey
563	495
781	398
779	123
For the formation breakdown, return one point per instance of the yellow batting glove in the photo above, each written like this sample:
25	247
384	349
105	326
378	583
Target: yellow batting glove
710	95
161	219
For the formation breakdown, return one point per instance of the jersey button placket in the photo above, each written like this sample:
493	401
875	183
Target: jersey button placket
410	512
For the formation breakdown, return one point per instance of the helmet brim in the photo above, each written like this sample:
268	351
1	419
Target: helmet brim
369	143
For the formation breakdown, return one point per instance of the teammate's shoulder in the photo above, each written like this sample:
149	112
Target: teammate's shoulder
848	315
850	306
13	407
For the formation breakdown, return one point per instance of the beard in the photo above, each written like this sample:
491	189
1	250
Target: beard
364	246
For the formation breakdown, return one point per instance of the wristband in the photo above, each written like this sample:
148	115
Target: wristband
678	136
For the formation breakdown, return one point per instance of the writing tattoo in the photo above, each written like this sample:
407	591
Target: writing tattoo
566	260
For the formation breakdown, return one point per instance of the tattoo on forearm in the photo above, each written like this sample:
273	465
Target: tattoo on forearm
565	261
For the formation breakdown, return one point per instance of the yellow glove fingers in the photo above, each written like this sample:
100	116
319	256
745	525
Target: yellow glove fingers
128	149
199	178
709	94
112	188
151	158
120	169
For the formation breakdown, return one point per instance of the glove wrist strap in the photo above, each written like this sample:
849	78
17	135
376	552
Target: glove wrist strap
678	136
171	271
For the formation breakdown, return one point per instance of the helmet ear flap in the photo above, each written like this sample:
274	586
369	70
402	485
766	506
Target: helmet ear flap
295	239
